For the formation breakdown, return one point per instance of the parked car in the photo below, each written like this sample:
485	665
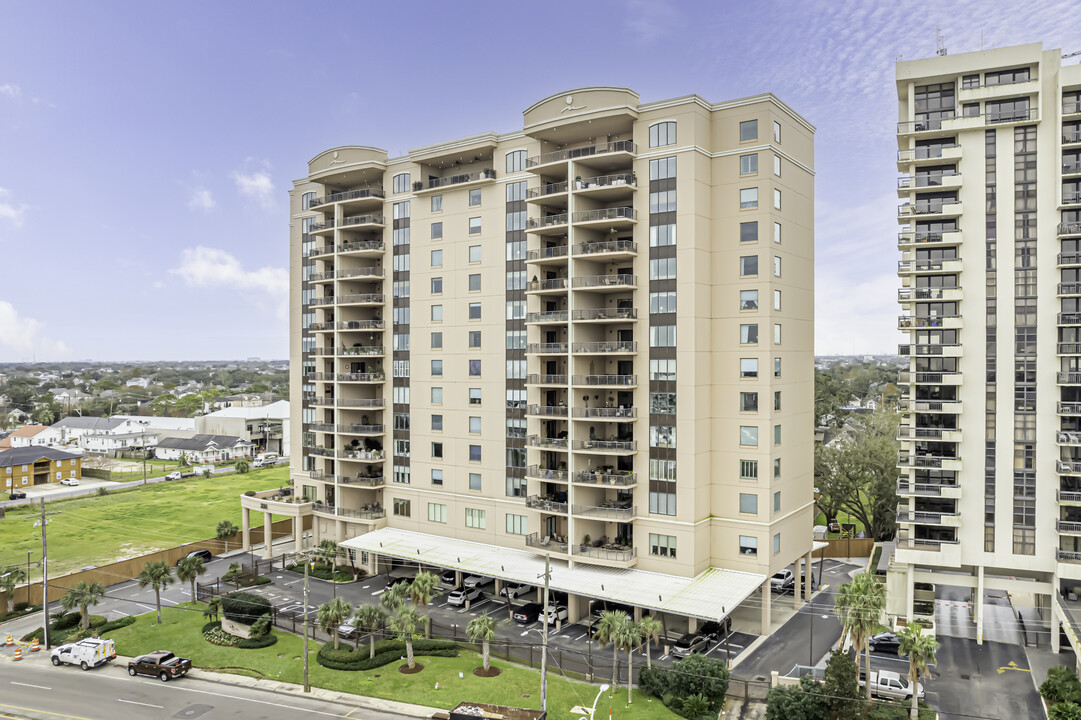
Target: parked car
803	582
161	663
834	526
17	495
527	613
884	642
556	612
391	582
782	580
474	580
87	653
716	630
513	590
175	475
891	685
690	643
203	554
458	596
70	481
347	631
449	578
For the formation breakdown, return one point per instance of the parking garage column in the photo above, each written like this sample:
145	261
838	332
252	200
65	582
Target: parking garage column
1056	627
573	611
910	593
765	607
979	605
245	528
797	593
298	533
268	538
808	564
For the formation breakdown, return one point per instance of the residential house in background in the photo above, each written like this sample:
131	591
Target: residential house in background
204	448
73	429
31	435
266	426
26	466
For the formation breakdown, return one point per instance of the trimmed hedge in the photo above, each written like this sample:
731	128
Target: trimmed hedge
386	651
258	642
244	607
38	632
117	624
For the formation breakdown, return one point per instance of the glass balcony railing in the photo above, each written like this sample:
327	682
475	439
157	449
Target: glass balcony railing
605	552
535	471
925	181
923	153
620	146
362	377
374	403
593	281
549	285
360	299
612	346
546	348
608	246
616	313
1069	107
547	221
348	195
606	413
546	317
1073	228
536	502
435	183
604	380
547	253
374	273
612	445
605	512
548	443
360	325
361	350
545	379
360	246
361	429
616	213
617	478
362	220
617	180
547	189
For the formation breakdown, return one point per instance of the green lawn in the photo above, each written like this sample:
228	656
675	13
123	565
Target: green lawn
96	530
842	517
181	633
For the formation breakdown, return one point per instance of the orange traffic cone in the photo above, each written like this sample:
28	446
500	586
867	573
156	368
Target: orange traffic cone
18	652
34	645
9	641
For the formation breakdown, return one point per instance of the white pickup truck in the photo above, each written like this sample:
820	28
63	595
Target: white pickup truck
87	653
891	685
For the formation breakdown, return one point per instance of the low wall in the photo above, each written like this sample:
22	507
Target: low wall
854	547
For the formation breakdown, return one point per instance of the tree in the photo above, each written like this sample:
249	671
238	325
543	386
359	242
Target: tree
327	552
188	569
394	598
859	604
157	575
481	630
226	530
608	631
842	686
650	628
695	706
920	650
242	466
9	578
629	638
806	702
82	596
1065	711
213	606
43	414
331	614
370	618
404	624
421	591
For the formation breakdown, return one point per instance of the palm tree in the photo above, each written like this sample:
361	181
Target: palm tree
608	628
482	630
9	578
650	628
82	596
331	614
404	624
629	638
241	466
226	530
860	604
327	552
920	650
421	591
371	618
394	598
157	575
212	607
188	569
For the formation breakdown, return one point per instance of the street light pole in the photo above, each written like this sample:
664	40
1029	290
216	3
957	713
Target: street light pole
307	685
28	578
544	640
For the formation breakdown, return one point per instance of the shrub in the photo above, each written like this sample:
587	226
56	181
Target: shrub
250	493
386	651
65	621
212	625
1065	711
258	642
244	607
884	710
116	624
803	701
20	606
1061	685
38	633
261	626
693	675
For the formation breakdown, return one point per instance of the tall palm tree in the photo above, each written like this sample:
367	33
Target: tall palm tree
371	618
331	614
327	552
920	650
629	638
482	629
404	624
608	628
157	575
9	578
225	531
421	591
394	598
188	569
82	596
650	628
212	607
860	604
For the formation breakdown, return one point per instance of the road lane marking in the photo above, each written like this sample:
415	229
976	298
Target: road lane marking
133	702
74	717
1011	665
232	697
42	687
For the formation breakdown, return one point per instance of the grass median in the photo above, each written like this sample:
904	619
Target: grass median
181	633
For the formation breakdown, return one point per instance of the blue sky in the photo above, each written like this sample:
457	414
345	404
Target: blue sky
146	148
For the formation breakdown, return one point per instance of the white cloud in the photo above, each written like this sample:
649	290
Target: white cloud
12	91
201	199
256	185
9	210
23	336
212	267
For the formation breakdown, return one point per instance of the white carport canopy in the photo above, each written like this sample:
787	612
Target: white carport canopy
709	596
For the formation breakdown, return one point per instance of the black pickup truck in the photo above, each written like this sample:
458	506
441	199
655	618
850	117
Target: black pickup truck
160	663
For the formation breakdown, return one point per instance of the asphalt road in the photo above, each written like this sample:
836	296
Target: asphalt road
88	486
34	688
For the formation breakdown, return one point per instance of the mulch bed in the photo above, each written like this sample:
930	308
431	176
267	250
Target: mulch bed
490	672
406	670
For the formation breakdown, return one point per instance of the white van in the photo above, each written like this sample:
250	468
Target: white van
265	460
85	653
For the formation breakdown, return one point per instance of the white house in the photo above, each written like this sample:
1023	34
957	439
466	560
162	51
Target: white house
110	443
31	436
73	429
265	425
204	448
141	382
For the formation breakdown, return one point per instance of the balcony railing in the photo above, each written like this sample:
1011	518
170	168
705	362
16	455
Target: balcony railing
923	544
360	325
1071	556
362	377
363	480
556	284
348	195
920	237
547	348
1069	496
1069	378
436	183
907	487
923	461
613	346
373	455
547	253
549	443
605	512
616	313
1069	288
358	429
619	179
1069	258
1070	107
360	402
547	221
582	151
924	518
614	479
360	299
923	153
927	377
614	554
547	410
923	433
322	452
1069	228
590	281
608	246
998	116
547	543
907	321
1068	348
1069	408
924	180
604	380
924	265
615	445
356	273
536	502
546	317
370	219
349	512
1071	197
924	350
1069	168
547	189
910	294
616	413
361	350
616	213
928	208
318	250
1067	467
536	471
360	245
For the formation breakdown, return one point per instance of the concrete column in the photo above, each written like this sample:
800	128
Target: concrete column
797	594
573	608
498	587
1056	628
268	551
457	578
298	533
245	528
540	594
339	531
979	605
765	607
910	593
692	624
809	565
637	614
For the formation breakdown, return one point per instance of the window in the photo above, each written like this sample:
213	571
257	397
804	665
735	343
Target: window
474	424
748	265
515	340
748	299
662	302
401	507
748	231
474	453
748	469
777	501
662	436
437	422
437	230
776	468
401	182
748	367
306	200
437	396
970	109
748	334
437	313
474	311
776	299
662	403
401	341
437	368
400	263
748	198
776	266
474	282
748	435
401	315
777	165
748	402
474	197
748	164
474	368
474	518
777	232
401	288
516	161
662	545
437	477
516	309
748	130
516	280
437	340
662	134
437	452
662	269
437	513
474	225
776	199
748	503
662	336
516	487
663	369
474	396
777	334
437	258
662	201
776	434
777	400
474	481
777	543
662	168
474	253
437	286
748	545
517	524
437	203
776	367
662	235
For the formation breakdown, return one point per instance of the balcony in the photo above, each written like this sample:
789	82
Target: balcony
364	456
538	473
616	314
372	403
906	295
618	218
365	273
906	459
1069	497
545	318
360	325
605	348
547	348
1071	135
937	181
904	432
1069	289
1072	107
929	210
1068	527
360	299
363	222
1069	378
607	187
605	512
607	447
920	517
551	285
967	122
1071	197
317	250
938	552
546	410
929	406
1068	259
607	249
365	194
549	379
604	380
908	488
1070	556
1067	467
613	554
611	479
1069	228
547	190
358	429
616	414
361	248
1068	348
916	267
545	254
548	225
907	239
605	283
1069	408
621	147
928	155
370	377
371	514
547	544
943	350
361	351
546	443
949	322
470	178
536	502
371	481
321	452
1071	168
987	91
929	378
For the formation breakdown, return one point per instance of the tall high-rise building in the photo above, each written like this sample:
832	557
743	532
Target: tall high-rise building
990	159
590	338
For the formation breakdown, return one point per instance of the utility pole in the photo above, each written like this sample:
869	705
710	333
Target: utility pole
144	454
44	576
544	640
307	685
727	646
28	578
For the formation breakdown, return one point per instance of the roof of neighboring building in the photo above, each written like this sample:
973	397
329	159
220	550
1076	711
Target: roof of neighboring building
277	410
77	422
201	442
157	422
24	431
27	455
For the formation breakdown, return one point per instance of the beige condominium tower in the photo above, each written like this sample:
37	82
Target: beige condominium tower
990	490
590	338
